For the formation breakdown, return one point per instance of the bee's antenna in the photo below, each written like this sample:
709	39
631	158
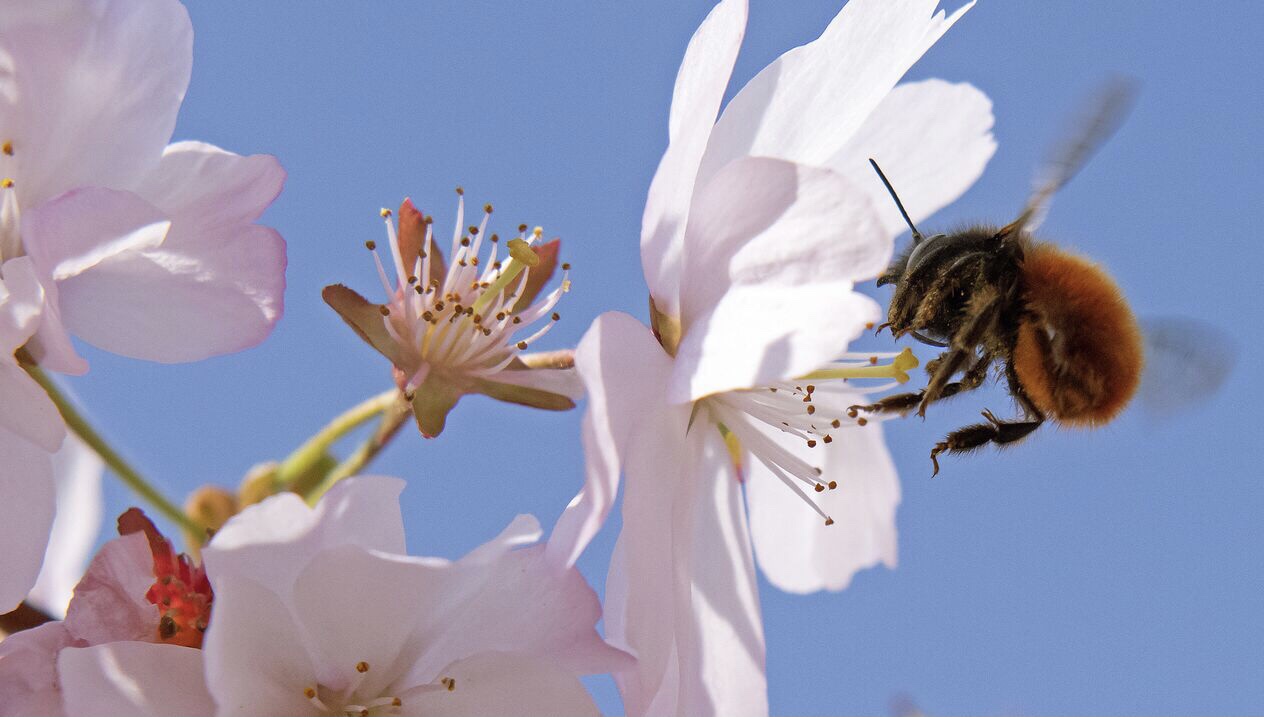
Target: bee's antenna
917	236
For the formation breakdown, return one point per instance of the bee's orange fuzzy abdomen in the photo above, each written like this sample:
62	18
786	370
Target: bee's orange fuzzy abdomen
1079	352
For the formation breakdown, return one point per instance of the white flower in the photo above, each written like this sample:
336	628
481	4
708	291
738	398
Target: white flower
145	249
30	430
140	247
755	229
77	473
345	623
452	329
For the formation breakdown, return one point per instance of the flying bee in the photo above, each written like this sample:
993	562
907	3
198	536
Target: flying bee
1069	346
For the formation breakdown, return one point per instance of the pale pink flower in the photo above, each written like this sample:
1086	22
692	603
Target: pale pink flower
30	430
460	326
755	230
319	611
77	473
140	247
145	248
118	620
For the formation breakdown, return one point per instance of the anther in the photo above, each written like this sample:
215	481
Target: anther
811	388
517	320
495	238
465	241
820	488
473	230
487	208
811	443
522	345
522	227
868	325
362	667
460	192
370	245
6	183
811	409
833	484
851	413
557	316
836	423
566	266
862	421
828	438
384	310
873	360
384	212
448	682
7	148
829	521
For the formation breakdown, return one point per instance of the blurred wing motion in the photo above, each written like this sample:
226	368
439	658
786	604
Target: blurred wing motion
1187	361
1107	112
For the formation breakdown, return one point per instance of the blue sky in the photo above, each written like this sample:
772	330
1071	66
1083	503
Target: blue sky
1117	571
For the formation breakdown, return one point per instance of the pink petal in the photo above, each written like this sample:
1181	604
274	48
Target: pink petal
200	185
109	602
515	601
94	93
78	230
77	473
134	678
796	550
175	305
806	105
26	511
932	140
28	670
27	411
700	84
624	370
498	683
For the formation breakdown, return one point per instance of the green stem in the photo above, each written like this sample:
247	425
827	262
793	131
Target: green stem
305	457
392	420
76	422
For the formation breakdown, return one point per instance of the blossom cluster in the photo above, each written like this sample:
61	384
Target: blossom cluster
722	419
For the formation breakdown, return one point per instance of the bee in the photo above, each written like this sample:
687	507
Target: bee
1065	338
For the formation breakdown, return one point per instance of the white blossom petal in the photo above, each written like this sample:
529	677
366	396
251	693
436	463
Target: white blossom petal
200	185
90	97
27	502
133	678
271	542
256	663
806	105
28	670
77	473
624	369
723	664
700	85
796	550
498	683
932	139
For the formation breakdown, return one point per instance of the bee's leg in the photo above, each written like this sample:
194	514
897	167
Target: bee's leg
905	402
964	440
985	308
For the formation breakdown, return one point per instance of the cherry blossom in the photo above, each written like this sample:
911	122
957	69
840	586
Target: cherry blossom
456	328
346	623
756	228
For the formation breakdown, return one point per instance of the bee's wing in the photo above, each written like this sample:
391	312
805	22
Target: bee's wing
1187	361
1105	114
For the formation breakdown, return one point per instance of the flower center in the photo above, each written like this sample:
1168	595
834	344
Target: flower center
347	701
809	410
465	314
181	591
